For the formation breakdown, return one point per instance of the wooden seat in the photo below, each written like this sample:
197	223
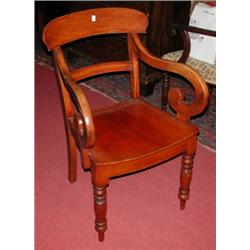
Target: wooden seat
136	121
132	135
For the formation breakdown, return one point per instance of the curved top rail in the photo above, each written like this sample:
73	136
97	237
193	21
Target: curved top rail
93	22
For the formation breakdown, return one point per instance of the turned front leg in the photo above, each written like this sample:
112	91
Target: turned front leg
100	204
185	179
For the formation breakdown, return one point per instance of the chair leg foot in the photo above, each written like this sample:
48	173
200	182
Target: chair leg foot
185	179
182	204
101	236
72	160
100	204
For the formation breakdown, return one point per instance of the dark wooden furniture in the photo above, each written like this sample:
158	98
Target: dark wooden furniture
184	30
161	15
129	136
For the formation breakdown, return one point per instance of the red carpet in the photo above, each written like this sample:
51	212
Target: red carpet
143	209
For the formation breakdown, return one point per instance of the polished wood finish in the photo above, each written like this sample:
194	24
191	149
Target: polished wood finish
101	68
161	15
176	96
100	204
93	22
131	135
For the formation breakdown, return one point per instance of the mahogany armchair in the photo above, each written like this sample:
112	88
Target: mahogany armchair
131	135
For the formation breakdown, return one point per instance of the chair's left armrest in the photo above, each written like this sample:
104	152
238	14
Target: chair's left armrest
82	121
176	96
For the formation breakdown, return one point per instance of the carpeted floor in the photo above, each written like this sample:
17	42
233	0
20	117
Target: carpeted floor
117	87
143	209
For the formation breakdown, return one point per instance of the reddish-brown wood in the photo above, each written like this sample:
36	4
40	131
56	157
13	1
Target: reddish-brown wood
93	22
101	68
176	97
68	113
161	15
186	175
100	204
134	75
129	136
88	140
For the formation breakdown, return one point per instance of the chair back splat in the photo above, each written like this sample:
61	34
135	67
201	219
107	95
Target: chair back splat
131	135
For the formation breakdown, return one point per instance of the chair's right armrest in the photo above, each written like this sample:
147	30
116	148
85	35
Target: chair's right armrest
176	96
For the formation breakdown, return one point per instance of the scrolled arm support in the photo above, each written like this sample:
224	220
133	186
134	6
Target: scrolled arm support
176	96
83	119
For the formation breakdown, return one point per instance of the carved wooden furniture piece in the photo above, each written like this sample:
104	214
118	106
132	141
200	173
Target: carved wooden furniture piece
161	15
131	135
207	71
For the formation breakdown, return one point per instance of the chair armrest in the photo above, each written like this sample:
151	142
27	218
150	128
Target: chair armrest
83	120
176	96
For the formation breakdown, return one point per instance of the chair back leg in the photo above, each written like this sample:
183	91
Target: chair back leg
165	81
72	160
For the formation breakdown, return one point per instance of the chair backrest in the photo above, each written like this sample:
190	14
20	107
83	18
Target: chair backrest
83	24
92	22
